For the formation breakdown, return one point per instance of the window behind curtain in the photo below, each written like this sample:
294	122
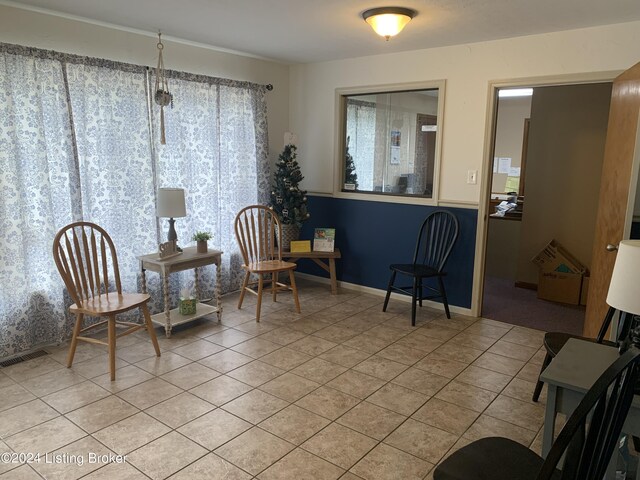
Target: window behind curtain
89	152
37	178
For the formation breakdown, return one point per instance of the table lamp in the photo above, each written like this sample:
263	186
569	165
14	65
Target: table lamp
624	293
170	204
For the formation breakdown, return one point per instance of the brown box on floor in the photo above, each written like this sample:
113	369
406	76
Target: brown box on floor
560	274
555	258
560	287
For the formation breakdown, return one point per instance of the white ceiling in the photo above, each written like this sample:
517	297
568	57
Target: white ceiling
301	31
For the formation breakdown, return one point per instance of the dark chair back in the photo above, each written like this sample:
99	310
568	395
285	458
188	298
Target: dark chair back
588	443
437	236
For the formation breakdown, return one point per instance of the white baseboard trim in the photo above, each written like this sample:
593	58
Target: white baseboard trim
381	293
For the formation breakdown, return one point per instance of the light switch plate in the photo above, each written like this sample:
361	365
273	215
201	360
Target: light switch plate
472	177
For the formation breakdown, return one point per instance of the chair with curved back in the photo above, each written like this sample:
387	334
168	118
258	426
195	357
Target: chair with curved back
586	442
84	255
256	227
436	239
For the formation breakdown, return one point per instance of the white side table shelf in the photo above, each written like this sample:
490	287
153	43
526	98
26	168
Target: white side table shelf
190	259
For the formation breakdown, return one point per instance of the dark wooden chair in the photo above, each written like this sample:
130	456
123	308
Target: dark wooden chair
436	238
84	253
554	341
587	440
256	229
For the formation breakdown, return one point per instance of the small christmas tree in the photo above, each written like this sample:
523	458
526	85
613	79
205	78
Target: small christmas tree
350	175
287	200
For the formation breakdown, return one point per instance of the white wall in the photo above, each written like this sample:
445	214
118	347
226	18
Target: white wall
467	69
512	112
33	29
564	165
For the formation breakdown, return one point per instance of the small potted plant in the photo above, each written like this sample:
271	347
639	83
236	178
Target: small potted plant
201	241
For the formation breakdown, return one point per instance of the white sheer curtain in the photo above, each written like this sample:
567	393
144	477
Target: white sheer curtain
38	186
361	129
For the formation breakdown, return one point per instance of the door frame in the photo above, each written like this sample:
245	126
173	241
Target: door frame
487	162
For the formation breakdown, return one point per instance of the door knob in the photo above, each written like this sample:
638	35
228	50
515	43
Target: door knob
612	248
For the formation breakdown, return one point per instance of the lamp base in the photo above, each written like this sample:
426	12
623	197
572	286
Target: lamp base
172	236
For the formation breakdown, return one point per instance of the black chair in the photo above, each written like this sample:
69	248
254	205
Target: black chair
587	441
554	341
437	236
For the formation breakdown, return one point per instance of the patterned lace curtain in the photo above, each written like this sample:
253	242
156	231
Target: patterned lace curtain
111	125
217	151
76	144
38	185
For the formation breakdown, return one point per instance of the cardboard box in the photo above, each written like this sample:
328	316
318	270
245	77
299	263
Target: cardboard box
555	258
585	290
560	287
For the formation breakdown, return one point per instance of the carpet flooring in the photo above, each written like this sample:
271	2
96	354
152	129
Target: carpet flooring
504	302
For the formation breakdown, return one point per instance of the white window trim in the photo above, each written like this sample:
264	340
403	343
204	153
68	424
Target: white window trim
338	167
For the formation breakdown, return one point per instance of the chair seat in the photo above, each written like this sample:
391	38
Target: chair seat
415	270
111	304
554	341
269	266
493	458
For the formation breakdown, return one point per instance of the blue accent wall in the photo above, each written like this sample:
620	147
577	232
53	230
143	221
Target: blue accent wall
373	235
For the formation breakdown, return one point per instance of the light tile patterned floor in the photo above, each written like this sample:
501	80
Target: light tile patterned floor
341	391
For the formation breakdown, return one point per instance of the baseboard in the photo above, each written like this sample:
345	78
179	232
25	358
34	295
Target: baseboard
527	285
381	293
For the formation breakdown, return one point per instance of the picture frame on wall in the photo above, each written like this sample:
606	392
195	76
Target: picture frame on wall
394	157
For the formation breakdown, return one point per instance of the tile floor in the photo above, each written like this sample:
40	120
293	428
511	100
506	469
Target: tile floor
341	391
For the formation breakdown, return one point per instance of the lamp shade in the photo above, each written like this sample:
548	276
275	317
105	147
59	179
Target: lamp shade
170	203
624	293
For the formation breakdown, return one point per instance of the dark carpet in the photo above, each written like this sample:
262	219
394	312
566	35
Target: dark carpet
504	302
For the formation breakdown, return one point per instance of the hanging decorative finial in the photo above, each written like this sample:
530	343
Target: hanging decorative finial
162	96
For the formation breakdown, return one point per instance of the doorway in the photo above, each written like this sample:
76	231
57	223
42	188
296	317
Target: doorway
548	148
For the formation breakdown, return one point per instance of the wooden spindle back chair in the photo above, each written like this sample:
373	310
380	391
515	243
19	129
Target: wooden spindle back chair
257	229
88	264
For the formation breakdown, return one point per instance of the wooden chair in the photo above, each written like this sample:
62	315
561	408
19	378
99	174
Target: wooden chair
84	253
554	341
436	238
587	441
256	227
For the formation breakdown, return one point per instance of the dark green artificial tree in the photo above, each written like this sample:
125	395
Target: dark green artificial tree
287	200
350	175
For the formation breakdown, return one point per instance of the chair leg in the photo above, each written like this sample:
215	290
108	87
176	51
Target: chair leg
112	347
274	278
540	384
243	289
294	289
420	290
74	339
150	330
386	299
444	297
414	300
259	303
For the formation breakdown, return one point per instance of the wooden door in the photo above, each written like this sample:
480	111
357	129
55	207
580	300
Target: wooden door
615	207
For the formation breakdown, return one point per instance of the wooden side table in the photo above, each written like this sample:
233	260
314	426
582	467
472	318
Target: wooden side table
319	258
190	259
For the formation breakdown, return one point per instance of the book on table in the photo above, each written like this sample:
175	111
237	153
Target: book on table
324	239
300	246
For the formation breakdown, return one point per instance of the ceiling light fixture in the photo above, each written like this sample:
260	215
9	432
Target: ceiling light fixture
388	21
